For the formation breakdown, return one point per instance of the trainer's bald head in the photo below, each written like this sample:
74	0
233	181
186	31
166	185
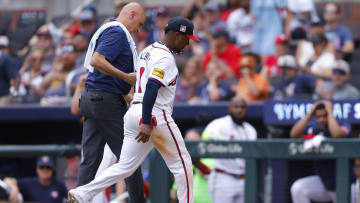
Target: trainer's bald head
133	6
132	16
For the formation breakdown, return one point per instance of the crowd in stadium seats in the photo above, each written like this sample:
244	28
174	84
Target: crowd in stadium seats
254	49
299	54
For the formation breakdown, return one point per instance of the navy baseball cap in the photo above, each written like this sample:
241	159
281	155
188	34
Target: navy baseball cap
88	13
45	161
182	25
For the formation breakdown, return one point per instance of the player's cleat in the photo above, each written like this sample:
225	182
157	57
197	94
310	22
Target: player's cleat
74	197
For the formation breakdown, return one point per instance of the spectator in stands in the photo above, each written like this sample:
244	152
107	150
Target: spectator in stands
305	48
355	187
193	7
265	32
299	16
223	53
4	44
186	84
339	35
45	188
292	83
75	110
321	186
44	42
212	17
88	20
240	26
158	33
54	82
338	88
30	87
230	6
252	86
226	181
81	41
270	69
200	29
213	88
66	39
9	67
9	191
320	65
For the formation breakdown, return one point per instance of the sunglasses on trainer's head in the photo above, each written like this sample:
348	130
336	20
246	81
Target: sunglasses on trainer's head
339	72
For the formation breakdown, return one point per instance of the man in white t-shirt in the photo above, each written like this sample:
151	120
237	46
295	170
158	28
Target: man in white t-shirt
226	181
240	25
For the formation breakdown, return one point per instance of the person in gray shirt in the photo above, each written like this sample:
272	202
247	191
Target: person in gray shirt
338	88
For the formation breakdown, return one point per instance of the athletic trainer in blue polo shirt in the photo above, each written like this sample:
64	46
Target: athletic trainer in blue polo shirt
114	45
110	61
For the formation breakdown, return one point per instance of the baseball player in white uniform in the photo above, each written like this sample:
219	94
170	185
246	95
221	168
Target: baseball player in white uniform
226	182
149	118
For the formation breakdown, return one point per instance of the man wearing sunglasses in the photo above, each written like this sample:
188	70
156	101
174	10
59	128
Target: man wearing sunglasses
45	188
339	87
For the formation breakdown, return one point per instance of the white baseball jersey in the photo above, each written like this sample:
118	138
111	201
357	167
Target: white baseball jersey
225	129
157	63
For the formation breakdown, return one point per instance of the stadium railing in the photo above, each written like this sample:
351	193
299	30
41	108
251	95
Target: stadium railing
343	150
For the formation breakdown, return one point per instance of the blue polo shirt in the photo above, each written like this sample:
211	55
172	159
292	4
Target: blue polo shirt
113	44
326	169
33	191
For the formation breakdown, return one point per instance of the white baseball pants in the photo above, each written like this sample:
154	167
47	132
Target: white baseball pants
108	159
166	138
225	188
310	188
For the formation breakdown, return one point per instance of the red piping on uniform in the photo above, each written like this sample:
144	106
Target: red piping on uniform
178	149
160	48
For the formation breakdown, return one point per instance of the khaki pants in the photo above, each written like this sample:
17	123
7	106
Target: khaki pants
5	100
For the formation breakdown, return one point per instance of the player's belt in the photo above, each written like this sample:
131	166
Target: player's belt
237	176
136	102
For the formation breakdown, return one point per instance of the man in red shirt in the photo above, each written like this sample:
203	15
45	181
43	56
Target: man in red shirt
270	68
224	53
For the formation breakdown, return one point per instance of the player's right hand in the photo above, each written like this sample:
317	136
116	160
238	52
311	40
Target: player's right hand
144	133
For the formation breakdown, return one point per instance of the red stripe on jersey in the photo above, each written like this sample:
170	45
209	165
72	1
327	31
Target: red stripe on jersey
182	160
160	48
